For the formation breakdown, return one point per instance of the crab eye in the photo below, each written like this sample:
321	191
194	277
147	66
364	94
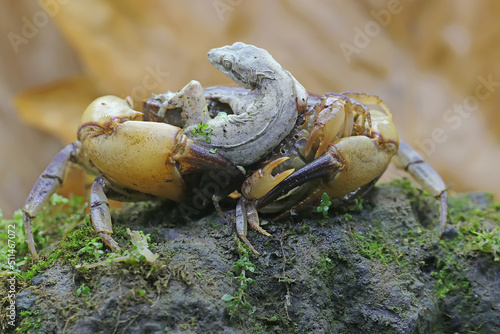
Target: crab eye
228	65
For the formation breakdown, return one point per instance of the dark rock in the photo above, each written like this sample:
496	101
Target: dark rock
25	300
375	270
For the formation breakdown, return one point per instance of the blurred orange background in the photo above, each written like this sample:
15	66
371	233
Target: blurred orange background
436	64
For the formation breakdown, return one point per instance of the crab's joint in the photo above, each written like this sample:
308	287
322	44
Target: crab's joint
45	187
253	217
54	177
241	224
96	204
28	228
408	159
100	214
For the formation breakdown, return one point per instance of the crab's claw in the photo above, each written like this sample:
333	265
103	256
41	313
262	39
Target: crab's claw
262	180
327	125
324	167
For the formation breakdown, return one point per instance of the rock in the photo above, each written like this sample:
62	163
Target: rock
374	269
25	300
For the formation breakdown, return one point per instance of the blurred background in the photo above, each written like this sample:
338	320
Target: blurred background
436	64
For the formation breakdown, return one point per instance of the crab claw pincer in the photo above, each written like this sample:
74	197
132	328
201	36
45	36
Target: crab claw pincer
254	188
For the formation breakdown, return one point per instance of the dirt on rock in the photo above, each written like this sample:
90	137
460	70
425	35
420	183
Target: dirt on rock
374	267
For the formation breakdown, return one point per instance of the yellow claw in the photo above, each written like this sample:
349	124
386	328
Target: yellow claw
262	180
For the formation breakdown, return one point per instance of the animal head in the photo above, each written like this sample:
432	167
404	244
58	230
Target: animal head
245	64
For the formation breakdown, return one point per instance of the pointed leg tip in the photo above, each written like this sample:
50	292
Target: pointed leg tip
34	255
444	213
248	244
311	139
260	229
254	251
109	241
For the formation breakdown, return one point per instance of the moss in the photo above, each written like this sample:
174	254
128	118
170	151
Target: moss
449	278
477	224
381	271
374	246
324	267
56	219
29	321
407	187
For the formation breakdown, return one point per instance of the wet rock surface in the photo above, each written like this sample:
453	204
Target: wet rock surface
370	268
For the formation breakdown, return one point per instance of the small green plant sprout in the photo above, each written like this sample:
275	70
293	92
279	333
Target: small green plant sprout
93	248
238	301
324	206
358	205
202	130
30	321
83	290
486	241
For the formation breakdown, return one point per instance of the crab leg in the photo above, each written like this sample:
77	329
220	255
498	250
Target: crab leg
246	214
327	125
48	183
408	159
241	224
352	103
253	217
369	99
100	214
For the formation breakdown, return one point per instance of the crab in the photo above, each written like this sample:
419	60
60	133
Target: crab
134	160
339	147
286	159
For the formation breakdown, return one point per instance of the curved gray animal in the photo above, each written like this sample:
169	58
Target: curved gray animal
263	114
